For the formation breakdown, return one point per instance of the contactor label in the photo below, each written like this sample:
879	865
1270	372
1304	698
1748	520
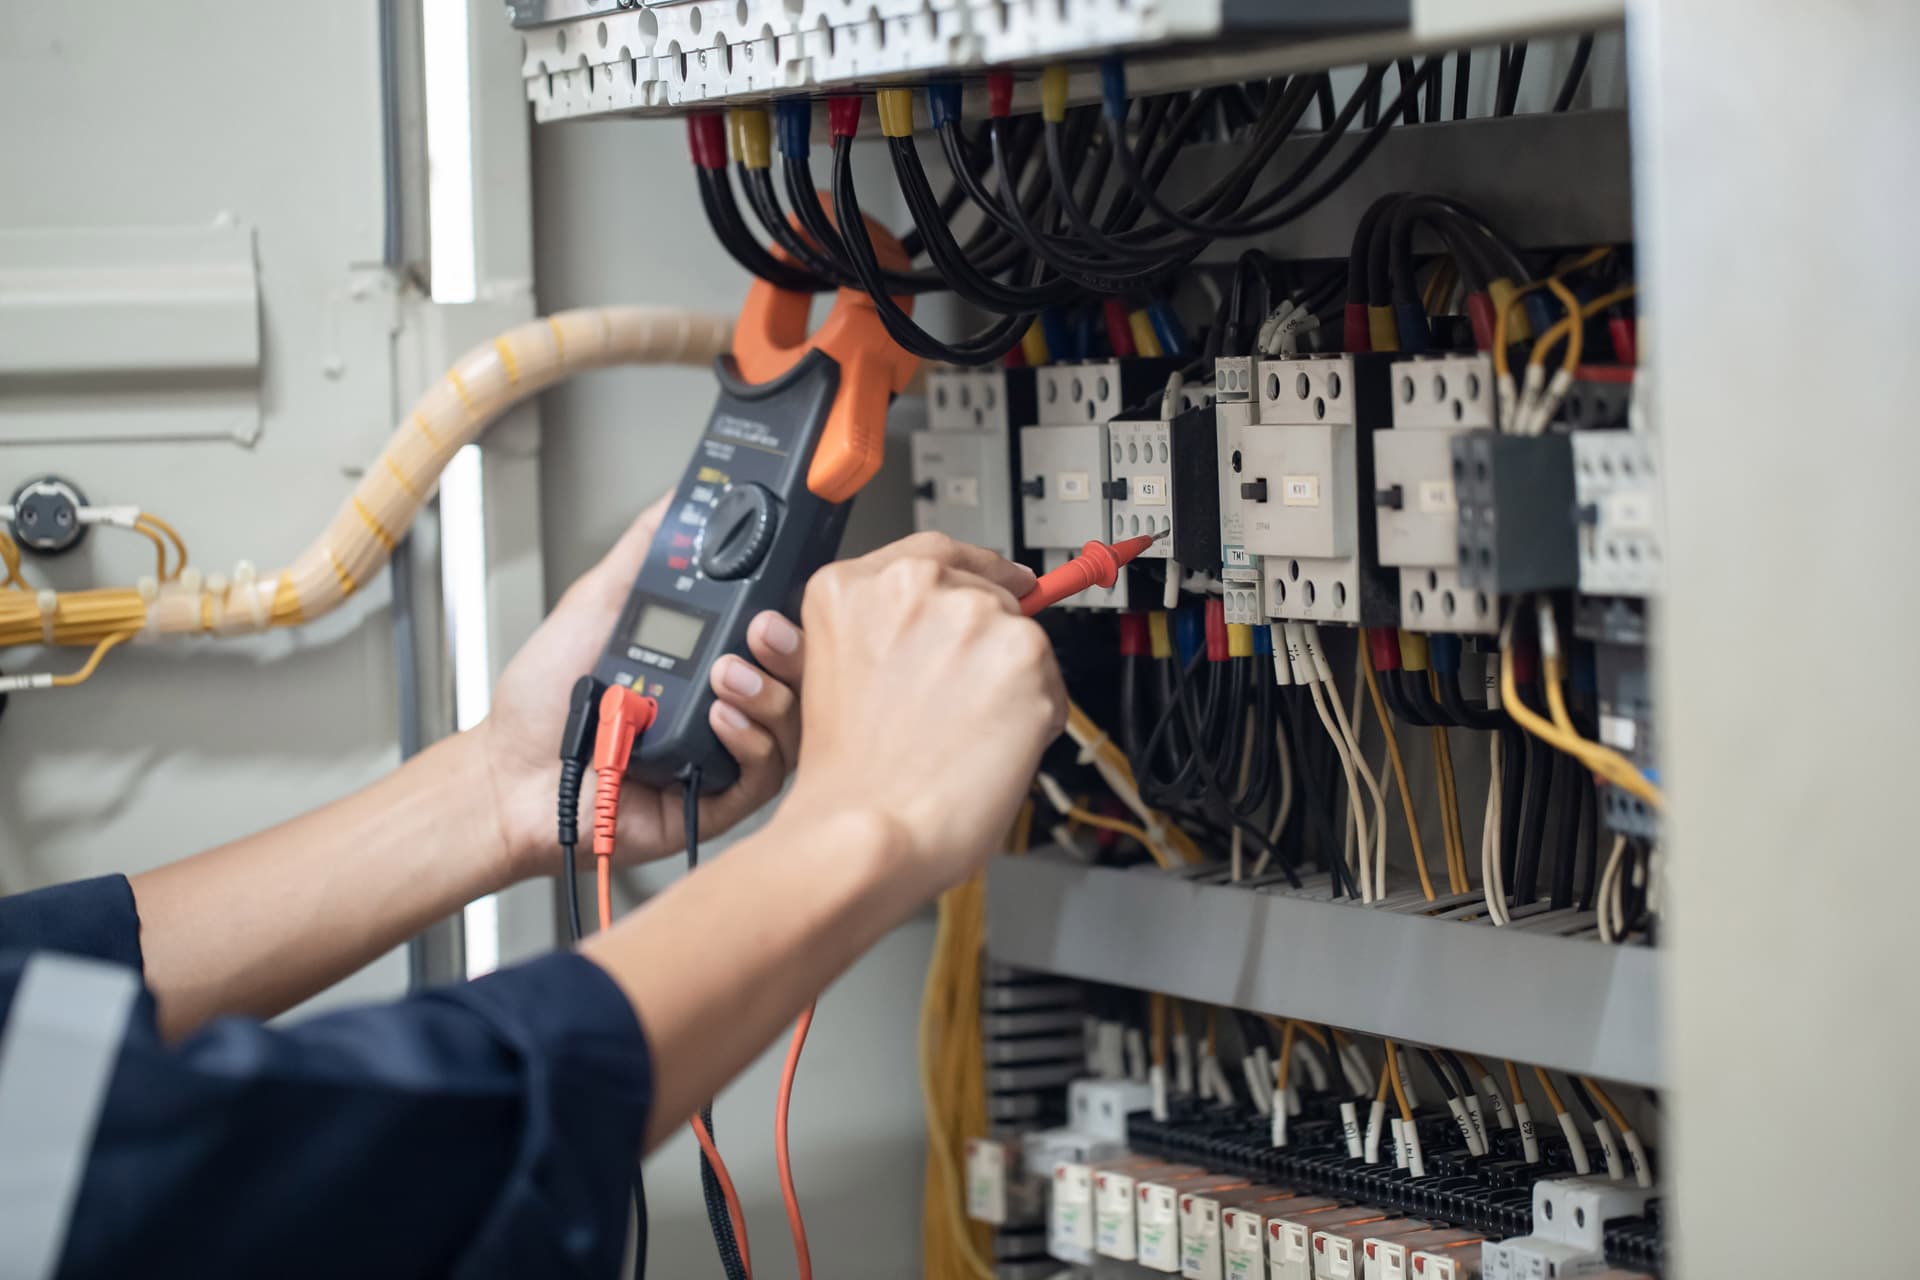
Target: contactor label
1300	491
1074	486
1436	497
960	491
1150	491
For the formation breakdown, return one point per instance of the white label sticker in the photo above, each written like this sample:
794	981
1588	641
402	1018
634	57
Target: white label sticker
1299	491
1338	1252
1074	486
1158	1240
960	491
1629	512
1113	1228
1235	558
1150	491
986	1181
1199	1238
1436	497
1618	732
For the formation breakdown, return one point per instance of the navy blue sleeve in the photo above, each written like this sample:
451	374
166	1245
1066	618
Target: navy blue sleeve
86	918
490	1129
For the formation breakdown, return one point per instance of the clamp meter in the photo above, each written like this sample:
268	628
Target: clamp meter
798	430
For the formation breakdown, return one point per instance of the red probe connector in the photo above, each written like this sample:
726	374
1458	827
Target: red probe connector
1097	565
624	716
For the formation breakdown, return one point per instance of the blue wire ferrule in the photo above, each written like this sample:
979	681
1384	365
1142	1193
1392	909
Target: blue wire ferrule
1113	88
1263	642
1053	323
1542	311
1189	634
1582	673
943	104
793	122
1443	654
1089	333
1167	328
1410	322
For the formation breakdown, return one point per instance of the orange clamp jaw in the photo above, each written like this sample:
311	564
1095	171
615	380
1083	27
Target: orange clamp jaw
771	337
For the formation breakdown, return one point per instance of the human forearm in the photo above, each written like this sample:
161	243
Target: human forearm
723	960
257	925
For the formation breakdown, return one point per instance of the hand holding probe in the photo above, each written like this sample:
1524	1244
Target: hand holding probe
1097	565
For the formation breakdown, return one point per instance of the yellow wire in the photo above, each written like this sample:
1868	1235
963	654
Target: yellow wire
1399	768
1568	327
173	536
1513	1082
1399	1089
1605	761
10	556
1502	322
1380	1094
1157	1022
92	663
159	547
1553	1094
1286	1058
1561	327
1443	777
1139	833
1606	1104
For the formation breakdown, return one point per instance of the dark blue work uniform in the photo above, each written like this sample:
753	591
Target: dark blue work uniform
489	1129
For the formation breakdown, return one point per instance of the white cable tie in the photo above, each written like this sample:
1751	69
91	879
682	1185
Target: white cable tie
22	684
48	602
1056	794
149	588
191	580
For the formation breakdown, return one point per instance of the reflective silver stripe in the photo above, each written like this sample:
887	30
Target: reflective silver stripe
57	1052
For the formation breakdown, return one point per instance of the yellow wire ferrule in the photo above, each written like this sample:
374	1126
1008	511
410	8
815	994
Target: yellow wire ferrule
896	112
1160	633
1382	333
1503	291
1413	651
1239	640
1053	94
1145	341
752	137
1033	345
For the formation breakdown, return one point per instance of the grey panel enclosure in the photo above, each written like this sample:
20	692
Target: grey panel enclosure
1568	1003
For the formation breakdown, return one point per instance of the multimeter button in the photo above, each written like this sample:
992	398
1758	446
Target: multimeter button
739	532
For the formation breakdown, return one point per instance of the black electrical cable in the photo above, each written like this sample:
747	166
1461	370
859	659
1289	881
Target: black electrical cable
983	348
1323	99
718	1220
758	184
1566	843
1590	836
1512	68
1462	82
723	215
1533	820
1470	715
1409	102
968	281
1582	51
1432	114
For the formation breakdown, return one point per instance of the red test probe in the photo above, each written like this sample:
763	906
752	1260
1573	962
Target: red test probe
1097	565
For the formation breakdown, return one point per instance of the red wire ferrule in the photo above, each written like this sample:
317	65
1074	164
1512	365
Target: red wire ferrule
624	716
843	115
1134	642
1355	333
1000	94
707	139
1119	328
1626	339
1480	316
1218	649
1384	645
1526	659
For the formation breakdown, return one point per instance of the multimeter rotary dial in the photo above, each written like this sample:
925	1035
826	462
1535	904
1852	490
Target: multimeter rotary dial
739	532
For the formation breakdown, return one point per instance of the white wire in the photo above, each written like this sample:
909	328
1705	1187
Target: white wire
1356	811
1490	878
1376	876
1609	878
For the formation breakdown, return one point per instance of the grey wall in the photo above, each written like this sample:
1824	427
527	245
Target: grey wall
616	219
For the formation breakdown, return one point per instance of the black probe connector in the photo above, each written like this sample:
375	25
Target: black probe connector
576	753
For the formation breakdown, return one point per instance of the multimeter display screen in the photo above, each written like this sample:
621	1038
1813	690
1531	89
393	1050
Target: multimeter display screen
668	631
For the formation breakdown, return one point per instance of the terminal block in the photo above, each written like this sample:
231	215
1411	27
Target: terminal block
1569	1229
965	461
1616	483
1435	400
1515	521
1292	482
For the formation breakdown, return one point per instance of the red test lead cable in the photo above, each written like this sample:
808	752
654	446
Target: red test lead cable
624	716
1097	565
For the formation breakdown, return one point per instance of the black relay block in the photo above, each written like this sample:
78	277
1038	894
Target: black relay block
1195	479
1516	512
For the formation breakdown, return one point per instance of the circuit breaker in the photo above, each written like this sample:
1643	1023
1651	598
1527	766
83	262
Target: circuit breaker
1435	399
1291	487
964	462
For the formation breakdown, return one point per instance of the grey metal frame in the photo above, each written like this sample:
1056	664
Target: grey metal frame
1568	1003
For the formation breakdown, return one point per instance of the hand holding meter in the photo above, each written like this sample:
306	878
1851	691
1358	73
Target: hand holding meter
797	431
